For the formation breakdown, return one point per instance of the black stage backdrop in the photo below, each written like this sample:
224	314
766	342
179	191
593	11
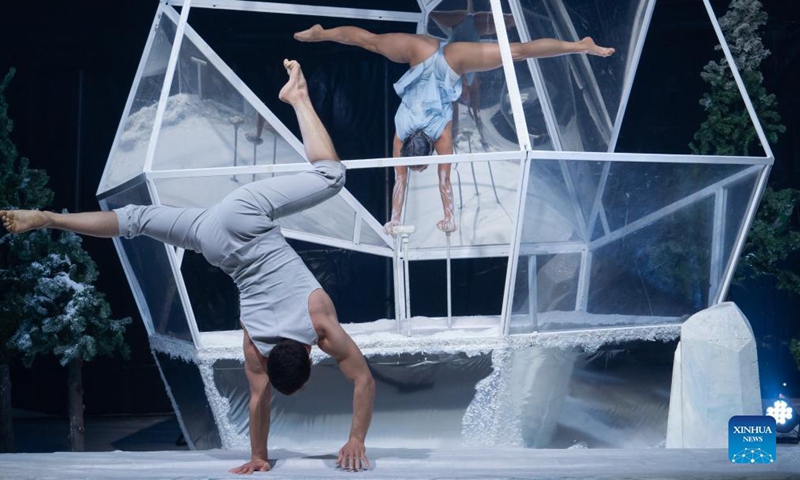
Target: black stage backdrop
75	63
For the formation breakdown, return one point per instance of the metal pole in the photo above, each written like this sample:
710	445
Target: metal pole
449	287
407	284
398	314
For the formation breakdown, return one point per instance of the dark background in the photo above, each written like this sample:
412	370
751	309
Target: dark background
75	64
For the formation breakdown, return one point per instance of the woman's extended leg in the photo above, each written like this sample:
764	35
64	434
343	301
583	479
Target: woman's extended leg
397	47
464	57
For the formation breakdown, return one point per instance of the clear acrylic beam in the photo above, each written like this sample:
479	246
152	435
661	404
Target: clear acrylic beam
628	87
162	102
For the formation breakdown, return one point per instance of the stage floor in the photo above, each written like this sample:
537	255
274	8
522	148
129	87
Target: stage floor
405	463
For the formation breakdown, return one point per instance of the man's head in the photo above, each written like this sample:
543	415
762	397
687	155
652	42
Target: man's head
288	366
418	144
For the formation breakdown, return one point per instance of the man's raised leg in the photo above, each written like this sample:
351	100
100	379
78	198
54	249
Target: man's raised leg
316	140
95	224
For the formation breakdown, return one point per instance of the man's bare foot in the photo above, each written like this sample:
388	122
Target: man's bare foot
313	34
296	88
19	221
593	49
448	225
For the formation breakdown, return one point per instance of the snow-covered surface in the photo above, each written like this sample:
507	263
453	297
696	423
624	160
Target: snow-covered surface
405	463
471	335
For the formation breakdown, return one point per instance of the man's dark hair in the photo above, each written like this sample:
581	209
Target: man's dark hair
288	366
418	144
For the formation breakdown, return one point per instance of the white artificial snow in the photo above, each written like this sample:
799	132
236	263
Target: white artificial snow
411	463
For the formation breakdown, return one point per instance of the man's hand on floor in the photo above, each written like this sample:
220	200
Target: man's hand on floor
353	456
255	465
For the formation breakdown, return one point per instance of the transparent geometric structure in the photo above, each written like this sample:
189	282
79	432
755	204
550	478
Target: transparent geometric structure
595	238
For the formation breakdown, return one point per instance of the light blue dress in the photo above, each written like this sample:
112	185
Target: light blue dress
427	91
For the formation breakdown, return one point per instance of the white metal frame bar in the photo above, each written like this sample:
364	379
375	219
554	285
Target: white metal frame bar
168	77
632	70
742	235
511	76
598	106
467	158
739	82
582	297
538	78
336	242
762	181
133	281
598	200
137	79
180	285
525	144
274	122
311	10
717	243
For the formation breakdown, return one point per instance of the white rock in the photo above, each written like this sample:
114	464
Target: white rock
715	376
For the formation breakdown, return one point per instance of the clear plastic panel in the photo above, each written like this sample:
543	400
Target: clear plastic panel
369	236
130	147
484	195
737	201
482	118
652	258
208	122
545	289
189	394
634	190
212	293
585	91
152	274
659	271
333	218
551	209
586	178
672	107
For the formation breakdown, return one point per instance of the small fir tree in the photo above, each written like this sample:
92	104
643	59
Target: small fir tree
65	316
20	187
49	303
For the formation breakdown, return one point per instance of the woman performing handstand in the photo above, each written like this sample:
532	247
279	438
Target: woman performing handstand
432	83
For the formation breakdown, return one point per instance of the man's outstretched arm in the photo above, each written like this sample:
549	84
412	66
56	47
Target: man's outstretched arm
255	367
338	344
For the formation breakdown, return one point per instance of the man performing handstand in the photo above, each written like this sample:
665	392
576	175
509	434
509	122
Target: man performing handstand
284	311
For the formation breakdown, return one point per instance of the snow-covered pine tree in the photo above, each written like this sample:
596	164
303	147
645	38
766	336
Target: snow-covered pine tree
48	303
728	130
20	187
64	315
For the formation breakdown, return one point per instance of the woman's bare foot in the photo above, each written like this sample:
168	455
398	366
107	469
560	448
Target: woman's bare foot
593	49
313	34
19	221
296	88
448	225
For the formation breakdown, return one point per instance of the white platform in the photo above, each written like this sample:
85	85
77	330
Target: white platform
404	463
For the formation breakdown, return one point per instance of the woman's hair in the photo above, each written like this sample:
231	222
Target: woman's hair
418	144
288	366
